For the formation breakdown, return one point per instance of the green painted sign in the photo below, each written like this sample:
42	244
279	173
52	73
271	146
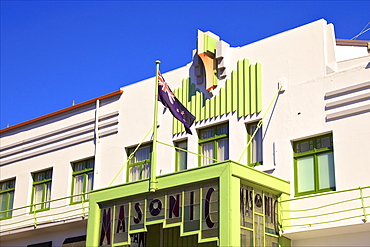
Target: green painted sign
194	208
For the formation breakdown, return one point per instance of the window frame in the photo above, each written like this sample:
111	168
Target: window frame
140	163
178	152
45	204
314	152
85	172
8	214
250	147
214	139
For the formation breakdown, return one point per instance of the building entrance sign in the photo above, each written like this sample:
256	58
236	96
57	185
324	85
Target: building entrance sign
194	208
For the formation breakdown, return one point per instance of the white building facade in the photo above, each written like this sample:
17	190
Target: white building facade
287	116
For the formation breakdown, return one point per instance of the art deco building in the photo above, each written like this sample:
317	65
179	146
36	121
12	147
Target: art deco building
278	154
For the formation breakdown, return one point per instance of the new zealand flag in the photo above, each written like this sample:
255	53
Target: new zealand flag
169	100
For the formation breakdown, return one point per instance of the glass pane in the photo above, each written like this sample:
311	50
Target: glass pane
90	181
11	201
246	237
141	155
78	187
207	151
48	174
146	171
324	142
3	205
90	164
205	134
305	174
78	166
182	156
256	145
223	130
39	177
38	190
259	230
326	170
223	149
305	146
43	175
48	194
134	173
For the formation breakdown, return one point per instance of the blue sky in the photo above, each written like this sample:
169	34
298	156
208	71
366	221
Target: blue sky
54	52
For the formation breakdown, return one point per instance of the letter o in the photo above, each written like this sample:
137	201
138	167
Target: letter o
154	211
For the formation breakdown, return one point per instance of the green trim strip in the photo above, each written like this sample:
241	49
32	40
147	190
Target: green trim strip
247	90
229	91
240	90
252	76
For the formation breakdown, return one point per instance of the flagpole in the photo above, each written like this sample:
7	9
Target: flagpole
153	169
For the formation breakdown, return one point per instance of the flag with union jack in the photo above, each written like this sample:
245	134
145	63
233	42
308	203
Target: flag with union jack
169	100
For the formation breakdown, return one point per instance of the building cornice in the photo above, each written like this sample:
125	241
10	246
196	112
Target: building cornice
350	42
115	93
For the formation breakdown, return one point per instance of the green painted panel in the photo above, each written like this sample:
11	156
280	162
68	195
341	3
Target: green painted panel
198	105
234	78
203	110
212	111
259	86
217	106
242	93
246	87
207	109
209	44
229	209
193	103
229	96
222	101
252	76
240	89
185	92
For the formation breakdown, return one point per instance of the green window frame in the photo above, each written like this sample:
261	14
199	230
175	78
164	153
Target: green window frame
213	143
41	190
7	189
82	180
139	165
314	165
181	155
255	149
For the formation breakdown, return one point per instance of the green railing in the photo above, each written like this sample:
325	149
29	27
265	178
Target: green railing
333	208
60	209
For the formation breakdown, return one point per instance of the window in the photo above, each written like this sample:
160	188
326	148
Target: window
181	156
7	189
314	165
255	147
41	190
139	165
83	179
214	143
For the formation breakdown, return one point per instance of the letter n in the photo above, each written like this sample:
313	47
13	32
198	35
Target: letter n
174	206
